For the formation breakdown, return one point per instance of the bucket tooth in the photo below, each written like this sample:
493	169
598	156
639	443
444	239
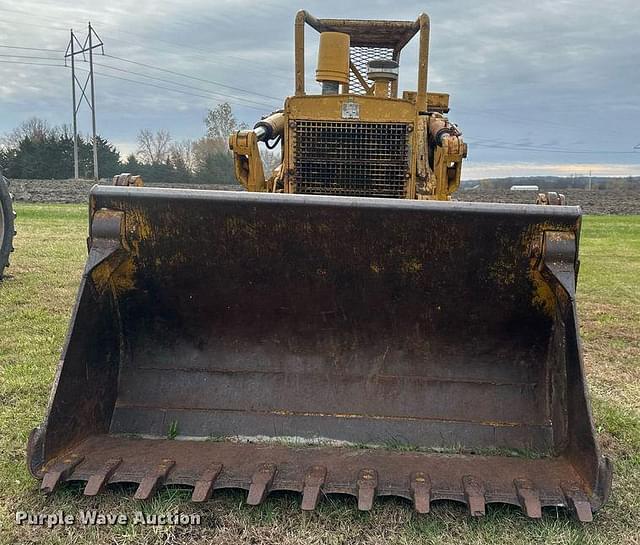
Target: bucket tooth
154	479
529	498
204	485
97	481
260	483
577	501
60	471
421	491
367	485
474	495
313	481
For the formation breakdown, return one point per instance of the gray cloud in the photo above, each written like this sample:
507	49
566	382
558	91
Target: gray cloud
552	82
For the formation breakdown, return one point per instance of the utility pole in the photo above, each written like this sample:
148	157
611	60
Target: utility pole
75	117
93	102
86	47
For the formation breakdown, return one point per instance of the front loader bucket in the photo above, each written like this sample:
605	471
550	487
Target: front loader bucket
427	350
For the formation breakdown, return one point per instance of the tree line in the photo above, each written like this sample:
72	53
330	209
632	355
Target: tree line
36	150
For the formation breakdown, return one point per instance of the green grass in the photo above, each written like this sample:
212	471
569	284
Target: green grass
35	304
172	432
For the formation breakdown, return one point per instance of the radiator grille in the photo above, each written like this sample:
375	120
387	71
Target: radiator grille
351	158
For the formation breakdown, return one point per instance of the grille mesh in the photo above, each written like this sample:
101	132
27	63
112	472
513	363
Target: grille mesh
349	158
360	56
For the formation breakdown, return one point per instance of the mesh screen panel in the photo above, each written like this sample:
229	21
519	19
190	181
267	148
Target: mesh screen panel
349	158
359	57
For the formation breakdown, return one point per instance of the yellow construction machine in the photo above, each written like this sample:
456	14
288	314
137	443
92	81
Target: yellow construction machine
342	327
358	137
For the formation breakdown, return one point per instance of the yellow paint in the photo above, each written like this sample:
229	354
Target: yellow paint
329	108
116	274
137	220
543	298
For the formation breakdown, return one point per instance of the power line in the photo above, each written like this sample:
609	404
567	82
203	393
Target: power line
31	48
213	94
205	54
173	72
32	63
485	142
488	112
216	95
29	57
549	149
167	88
479	142
516	145
192	77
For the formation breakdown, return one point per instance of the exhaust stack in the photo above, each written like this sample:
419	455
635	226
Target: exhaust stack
382	72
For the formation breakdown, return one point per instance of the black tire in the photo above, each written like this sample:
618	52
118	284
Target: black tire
7	230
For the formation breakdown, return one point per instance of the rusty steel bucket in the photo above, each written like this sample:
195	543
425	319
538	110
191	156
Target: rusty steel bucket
371	347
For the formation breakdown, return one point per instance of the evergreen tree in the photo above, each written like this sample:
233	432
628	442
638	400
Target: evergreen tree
132	165
50	156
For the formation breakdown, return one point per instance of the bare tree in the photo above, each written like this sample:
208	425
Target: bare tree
65	131
35	129
206	147
184	153
221	122
154	148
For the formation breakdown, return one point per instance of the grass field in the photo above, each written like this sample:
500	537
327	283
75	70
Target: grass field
35	303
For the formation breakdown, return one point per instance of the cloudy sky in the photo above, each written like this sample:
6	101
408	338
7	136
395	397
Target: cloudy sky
545	87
